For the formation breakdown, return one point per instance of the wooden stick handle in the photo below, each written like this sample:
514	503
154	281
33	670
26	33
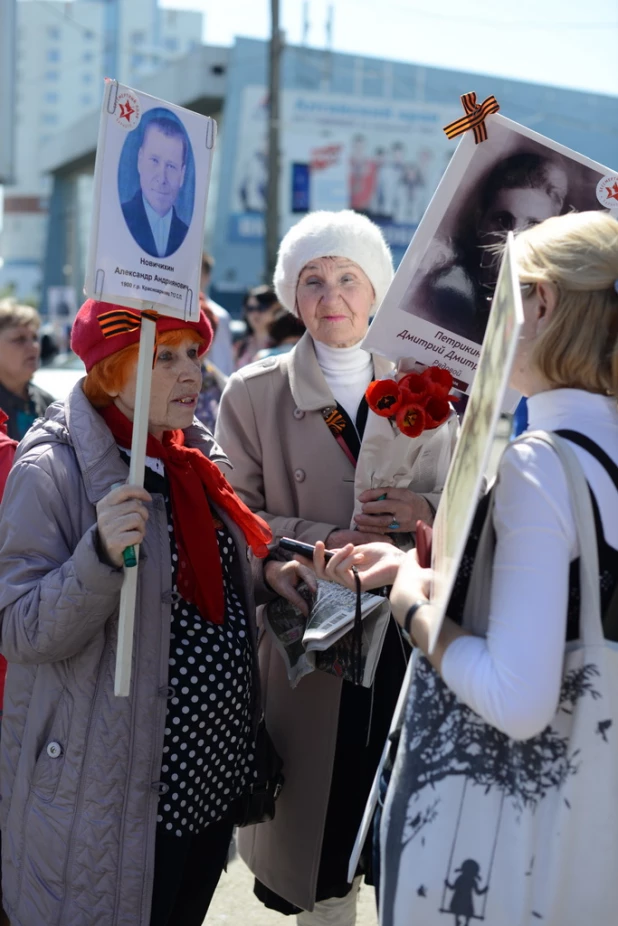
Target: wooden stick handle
126	620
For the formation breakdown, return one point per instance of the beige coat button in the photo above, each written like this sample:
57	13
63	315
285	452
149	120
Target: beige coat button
299	413
299	475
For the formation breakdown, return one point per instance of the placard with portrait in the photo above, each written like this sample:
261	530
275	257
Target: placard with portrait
151	184
437	307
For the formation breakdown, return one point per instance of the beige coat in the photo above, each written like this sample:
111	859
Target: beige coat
289	468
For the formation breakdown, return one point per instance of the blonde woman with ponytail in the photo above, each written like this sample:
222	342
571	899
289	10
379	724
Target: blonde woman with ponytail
502	803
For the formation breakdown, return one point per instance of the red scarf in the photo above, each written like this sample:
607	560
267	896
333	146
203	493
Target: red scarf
194	480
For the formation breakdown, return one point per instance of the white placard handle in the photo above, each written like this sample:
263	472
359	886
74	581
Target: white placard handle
126	621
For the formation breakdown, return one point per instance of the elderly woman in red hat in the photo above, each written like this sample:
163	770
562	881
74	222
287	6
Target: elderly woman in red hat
120	810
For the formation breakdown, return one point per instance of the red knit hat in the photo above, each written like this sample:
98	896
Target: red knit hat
99	332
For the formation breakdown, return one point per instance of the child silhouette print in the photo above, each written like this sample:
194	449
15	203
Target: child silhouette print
465	886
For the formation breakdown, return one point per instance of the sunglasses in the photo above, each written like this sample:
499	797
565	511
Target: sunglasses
526	290
257	307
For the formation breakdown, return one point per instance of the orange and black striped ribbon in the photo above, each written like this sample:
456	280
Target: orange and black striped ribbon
337	426
122	321
474	118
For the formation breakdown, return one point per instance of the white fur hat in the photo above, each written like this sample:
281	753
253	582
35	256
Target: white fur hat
332	234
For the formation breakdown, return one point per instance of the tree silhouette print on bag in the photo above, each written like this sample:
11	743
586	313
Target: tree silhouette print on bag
443	738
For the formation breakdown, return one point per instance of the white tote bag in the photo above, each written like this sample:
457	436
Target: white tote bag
480	827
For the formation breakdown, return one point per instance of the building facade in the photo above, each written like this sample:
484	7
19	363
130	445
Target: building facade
64	51
367	134
356	132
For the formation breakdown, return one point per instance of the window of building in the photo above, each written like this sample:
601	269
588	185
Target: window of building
53	32
51	75
137	61
86	78
138	38
88	34
171	44
51	97
87	56
53	54
86	100
43	139
49	119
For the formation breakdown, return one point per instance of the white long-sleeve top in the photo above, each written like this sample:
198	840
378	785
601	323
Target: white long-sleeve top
512	677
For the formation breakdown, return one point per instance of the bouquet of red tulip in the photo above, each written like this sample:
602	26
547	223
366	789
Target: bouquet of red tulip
409	441
418	402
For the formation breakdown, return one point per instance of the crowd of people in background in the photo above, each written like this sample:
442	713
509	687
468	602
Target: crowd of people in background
497	800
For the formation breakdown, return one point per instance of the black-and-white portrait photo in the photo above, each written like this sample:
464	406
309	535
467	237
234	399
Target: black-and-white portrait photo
523	184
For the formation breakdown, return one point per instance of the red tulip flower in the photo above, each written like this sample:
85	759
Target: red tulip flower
415	384
410	418
436	412
439	382
418	402
383	397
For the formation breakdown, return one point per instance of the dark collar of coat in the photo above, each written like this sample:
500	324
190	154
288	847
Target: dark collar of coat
307	384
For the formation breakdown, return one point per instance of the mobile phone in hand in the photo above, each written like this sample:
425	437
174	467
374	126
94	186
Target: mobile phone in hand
424	536
303	549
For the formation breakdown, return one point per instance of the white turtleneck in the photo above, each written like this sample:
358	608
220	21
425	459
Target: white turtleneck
348	371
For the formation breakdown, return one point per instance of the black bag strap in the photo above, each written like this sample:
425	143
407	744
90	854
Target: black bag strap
586	443
610	618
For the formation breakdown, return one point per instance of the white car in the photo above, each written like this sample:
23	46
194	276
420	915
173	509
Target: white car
59	376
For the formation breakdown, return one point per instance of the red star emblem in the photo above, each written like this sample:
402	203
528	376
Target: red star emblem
612	191
126	111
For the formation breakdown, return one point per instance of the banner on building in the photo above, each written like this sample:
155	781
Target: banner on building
436	309
381	157
151	184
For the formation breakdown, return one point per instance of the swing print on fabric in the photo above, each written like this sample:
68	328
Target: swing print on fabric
467	877
456	787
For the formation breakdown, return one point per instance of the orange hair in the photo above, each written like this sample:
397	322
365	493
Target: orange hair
111	374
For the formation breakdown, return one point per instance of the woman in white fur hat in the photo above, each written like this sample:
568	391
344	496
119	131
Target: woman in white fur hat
292	426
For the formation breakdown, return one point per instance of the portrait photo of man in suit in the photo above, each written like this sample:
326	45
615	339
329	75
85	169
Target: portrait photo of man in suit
151	213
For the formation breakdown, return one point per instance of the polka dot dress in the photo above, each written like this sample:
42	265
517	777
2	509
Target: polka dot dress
208	757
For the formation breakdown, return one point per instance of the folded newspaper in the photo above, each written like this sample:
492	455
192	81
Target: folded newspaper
325	639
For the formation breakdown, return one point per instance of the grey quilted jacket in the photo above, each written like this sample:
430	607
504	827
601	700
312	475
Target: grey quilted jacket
79	767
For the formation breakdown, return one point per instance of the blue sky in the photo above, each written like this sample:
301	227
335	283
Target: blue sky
567	43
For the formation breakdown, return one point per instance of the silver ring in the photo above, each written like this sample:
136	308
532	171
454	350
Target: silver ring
393	526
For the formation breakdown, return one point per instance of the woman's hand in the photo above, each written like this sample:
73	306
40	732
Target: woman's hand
376	564
121	520
284	578
401	506
412	584
340	538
